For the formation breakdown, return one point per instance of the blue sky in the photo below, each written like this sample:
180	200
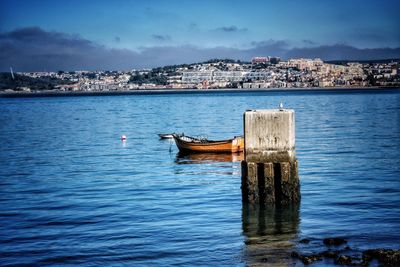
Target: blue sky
236	28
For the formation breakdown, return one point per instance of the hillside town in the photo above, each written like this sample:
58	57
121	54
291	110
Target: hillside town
261	72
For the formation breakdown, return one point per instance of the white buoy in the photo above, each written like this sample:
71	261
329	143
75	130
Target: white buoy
123	138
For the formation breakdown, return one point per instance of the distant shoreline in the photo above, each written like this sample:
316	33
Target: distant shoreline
50	93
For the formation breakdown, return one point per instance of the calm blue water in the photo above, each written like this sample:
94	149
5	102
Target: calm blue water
72	193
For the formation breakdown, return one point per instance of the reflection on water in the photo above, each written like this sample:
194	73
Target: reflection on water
269	232
221	164
200	158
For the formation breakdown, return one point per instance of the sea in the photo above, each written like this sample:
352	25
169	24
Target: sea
72	193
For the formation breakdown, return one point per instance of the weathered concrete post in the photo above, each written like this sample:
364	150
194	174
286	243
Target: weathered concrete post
269	169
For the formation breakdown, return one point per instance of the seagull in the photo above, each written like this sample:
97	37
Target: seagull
281	106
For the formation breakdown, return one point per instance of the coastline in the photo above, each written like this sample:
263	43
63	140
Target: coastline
51	93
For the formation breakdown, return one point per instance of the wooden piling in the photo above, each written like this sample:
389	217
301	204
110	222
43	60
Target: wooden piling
270	168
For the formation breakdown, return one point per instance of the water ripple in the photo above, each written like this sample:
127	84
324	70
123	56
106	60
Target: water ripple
72	193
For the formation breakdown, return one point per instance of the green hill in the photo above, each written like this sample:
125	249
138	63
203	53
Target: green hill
42	83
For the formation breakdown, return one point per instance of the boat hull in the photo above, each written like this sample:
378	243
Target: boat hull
225	146
166	136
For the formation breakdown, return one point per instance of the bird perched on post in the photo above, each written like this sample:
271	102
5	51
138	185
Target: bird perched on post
281	106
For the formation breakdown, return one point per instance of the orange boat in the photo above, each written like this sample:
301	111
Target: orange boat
191	144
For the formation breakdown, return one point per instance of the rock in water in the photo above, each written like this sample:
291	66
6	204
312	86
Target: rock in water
386	257
331	254
334	241
343	260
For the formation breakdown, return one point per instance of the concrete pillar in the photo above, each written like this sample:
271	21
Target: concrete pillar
270	169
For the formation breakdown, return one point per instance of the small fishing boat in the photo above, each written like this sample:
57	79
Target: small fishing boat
191	144
166	136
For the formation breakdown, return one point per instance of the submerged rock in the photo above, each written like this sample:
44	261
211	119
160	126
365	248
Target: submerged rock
343	260
310	258
386	257
332	254
334	241
307	259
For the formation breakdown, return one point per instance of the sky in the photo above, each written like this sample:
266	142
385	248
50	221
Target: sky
119	35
